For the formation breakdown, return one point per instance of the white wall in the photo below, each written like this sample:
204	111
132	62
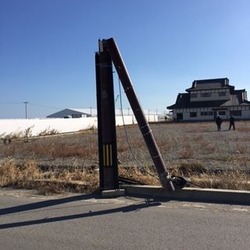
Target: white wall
36	126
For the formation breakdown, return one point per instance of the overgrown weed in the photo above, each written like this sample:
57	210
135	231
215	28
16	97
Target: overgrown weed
191	150
29	176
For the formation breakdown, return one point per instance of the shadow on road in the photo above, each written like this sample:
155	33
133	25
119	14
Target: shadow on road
42	204
125	209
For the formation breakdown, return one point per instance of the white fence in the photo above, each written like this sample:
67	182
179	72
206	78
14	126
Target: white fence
35	127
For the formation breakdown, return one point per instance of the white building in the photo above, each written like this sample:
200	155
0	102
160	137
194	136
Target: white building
71	113
92	112
208	98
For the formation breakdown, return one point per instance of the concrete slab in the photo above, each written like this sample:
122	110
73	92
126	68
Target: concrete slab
190	194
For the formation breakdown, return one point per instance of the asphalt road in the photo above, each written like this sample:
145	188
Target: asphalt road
29	221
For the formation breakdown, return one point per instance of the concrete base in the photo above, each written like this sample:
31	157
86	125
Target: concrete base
113	193
190	194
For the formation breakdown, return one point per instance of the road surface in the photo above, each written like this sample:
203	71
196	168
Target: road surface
30	221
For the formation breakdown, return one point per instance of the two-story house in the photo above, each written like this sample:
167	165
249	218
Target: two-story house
208	98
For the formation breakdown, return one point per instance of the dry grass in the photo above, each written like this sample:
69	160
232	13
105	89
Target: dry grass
30	176
195	150
202	177
225	180
18	176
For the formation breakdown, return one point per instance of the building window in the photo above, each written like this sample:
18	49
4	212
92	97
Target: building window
205	94
193	95
193	114
76	115
179	117
222	112
207	113
235	112
222	93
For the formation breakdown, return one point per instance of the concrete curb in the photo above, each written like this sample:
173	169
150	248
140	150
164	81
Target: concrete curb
190	194
113	193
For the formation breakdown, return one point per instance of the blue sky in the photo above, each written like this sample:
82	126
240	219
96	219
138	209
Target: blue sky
47	49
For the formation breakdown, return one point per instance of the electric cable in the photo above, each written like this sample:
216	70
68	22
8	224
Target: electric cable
178	181
126	133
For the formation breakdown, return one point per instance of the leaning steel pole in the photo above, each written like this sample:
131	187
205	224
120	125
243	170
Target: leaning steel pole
116	57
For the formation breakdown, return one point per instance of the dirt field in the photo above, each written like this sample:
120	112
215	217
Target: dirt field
179	143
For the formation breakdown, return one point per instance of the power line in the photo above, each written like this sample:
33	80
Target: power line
10	103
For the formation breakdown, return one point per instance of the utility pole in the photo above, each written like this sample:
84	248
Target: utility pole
26	109
117	60
108	164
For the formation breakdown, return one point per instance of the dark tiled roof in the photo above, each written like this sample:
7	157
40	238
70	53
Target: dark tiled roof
210	84
237	97
183	101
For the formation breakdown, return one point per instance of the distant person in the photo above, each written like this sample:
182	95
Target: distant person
218	121
231	122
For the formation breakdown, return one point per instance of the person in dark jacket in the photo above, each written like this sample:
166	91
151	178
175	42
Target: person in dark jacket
218	121
231	122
